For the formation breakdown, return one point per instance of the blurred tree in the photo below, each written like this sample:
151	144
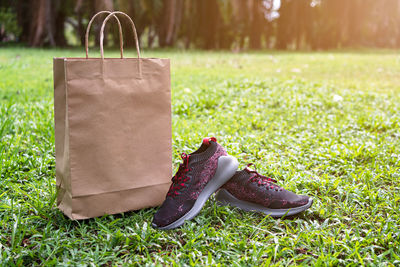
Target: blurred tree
79	10
328	17
294	24
145	14
169	23
186	32
285	24
240	21
24	18
383	24
227	28
213	24
39	27
8	24
60	13
257	23
209	24
47	23
100	5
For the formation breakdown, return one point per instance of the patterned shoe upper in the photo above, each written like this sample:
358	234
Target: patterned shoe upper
248	185
189	181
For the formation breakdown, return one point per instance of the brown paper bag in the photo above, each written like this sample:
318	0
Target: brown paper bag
112	131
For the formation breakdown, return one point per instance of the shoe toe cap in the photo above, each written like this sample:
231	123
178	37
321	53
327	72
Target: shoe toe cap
302	200
164	217
170	211
289	200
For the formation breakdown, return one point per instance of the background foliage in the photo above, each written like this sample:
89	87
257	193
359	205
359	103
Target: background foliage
211	24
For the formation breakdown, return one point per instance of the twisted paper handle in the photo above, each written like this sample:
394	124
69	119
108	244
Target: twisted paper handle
121	40
133	30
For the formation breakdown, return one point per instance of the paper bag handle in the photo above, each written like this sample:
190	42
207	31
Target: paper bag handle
133	30
121	41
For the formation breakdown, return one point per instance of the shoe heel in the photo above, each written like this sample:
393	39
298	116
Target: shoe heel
227	166
223	198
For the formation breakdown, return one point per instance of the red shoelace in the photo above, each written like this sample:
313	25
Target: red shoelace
269	183
178	181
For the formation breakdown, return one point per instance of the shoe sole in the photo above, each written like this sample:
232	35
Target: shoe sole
227	166
224	198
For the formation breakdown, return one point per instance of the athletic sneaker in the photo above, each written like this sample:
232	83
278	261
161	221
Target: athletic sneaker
198	177
251	191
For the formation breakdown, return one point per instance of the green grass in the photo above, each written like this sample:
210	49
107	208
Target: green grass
323	124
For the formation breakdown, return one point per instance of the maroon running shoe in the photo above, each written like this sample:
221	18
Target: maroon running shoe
198	177
251	191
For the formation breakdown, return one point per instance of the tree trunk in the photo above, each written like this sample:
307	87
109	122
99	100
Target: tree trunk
281	36
24	19
396	22
188	27
129	8
50	21
209	23
59	26
101	5
47	23
38	25
170	22
80	30
178	19
166	21
257	24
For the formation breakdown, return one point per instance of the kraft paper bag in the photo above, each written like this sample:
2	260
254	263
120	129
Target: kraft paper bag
112	131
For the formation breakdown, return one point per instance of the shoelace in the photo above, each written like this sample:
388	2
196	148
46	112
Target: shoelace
269	183
178	181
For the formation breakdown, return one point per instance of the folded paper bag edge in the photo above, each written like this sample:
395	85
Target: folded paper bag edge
89	207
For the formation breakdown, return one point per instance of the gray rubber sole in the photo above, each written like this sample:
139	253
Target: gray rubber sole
223	197
227	166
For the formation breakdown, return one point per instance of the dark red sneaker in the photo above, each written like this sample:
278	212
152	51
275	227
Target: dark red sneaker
199	176
251	191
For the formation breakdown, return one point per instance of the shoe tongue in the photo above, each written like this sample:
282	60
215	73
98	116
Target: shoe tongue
243	173
247	172
205	151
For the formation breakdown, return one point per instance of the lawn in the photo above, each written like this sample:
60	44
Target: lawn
326	124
